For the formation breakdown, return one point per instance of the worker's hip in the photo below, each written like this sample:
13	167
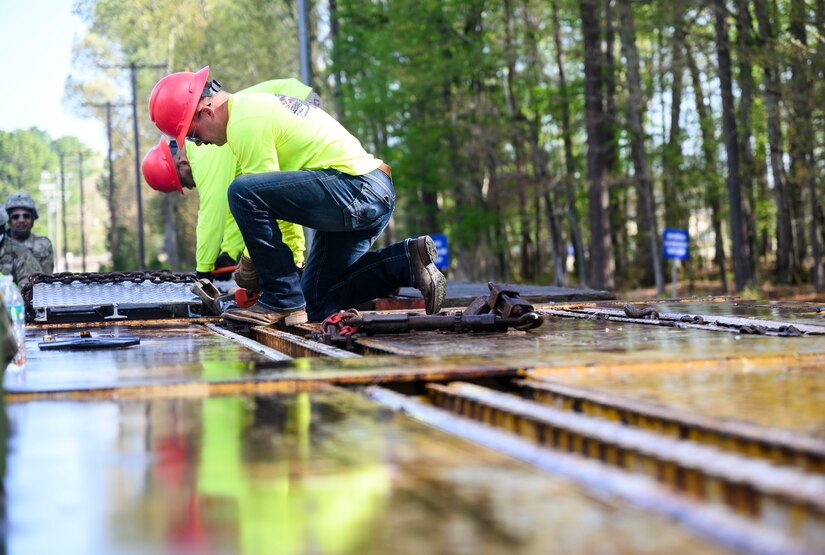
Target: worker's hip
325	200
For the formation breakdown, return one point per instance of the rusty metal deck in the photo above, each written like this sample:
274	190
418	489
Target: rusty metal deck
595	435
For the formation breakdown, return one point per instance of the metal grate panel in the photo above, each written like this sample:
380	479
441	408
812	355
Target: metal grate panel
124	295
79	301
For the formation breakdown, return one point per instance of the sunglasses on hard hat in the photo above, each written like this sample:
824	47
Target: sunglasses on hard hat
21	216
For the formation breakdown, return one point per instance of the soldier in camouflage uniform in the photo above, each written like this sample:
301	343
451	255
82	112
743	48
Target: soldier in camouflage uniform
15	259
22	213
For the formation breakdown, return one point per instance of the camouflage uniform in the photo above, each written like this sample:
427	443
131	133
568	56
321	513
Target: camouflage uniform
17	261
41	247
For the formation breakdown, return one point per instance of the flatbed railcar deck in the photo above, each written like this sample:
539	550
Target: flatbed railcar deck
589	433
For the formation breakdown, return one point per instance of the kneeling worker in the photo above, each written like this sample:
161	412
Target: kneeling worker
300	165
211	169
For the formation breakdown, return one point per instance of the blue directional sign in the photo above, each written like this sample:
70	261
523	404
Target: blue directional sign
676	244
443	260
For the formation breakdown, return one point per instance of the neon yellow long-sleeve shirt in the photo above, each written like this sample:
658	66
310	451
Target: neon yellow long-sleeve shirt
213	169
269	133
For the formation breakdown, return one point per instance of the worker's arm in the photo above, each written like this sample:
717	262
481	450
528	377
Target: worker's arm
293	237
213	169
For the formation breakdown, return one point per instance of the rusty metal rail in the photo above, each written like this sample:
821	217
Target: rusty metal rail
689	321
268	352
775	445
296	346
753	488
714	522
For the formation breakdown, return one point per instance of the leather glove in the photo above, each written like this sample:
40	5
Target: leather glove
245	275
223	261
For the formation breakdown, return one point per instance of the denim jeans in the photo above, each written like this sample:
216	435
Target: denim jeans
348	213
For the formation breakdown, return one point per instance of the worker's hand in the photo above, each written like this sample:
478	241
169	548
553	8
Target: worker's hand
224	266
204	275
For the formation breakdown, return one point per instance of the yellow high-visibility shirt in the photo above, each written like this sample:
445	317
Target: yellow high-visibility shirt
213	169
270	133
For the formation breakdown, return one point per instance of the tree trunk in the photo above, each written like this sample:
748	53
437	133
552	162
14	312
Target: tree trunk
740	259
555	241
803	172
569	159
635	103
601	276
747	167
675	214
617	191
517	125
712	191
787	265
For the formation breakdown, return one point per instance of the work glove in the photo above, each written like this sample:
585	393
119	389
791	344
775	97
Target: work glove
204	275
224	261
246	276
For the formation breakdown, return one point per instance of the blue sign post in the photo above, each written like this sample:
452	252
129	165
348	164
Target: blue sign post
443	260
676	246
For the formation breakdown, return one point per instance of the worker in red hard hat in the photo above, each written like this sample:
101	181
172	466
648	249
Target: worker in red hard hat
300	165
211	169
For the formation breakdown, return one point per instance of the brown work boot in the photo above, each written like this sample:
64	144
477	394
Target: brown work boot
427	278
257	314
246	275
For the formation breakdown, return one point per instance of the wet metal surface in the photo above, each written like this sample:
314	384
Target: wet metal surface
773	495
164	354
565	341
713	522
199	439
784	394
772	444
322	472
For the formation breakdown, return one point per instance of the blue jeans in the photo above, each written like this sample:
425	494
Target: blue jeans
348	213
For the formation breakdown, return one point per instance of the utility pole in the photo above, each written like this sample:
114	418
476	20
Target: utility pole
111	200
82	214
306	77
133	67
303	43
63	215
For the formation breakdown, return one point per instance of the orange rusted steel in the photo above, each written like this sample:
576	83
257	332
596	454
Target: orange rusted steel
752	488
778	446
297	346
284	377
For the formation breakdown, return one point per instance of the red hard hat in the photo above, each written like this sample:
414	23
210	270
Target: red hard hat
159	169
173	101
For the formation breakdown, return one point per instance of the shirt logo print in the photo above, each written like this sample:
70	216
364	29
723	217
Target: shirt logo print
295	105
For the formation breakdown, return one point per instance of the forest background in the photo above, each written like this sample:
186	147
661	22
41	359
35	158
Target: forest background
552	141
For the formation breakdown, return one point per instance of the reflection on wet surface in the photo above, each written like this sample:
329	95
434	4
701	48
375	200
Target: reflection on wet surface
322	472
176	352
566	341
803	313
790	396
